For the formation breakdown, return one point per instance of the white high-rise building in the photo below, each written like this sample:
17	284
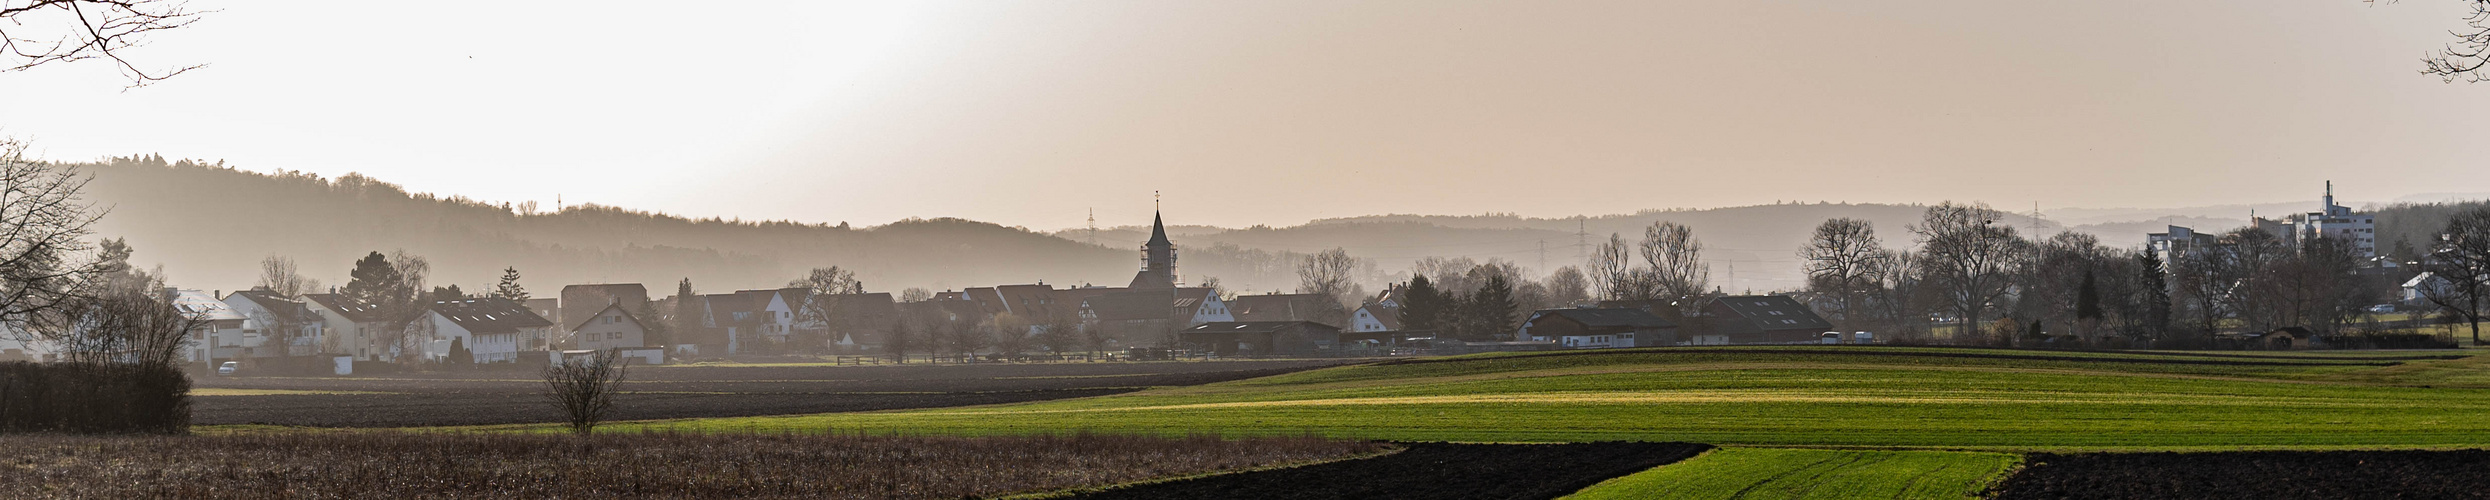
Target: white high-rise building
2337	221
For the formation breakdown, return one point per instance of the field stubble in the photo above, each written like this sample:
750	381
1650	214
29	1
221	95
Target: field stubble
653	465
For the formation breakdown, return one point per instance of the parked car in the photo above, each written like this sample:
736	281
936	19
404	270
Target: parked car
2382	308
228	368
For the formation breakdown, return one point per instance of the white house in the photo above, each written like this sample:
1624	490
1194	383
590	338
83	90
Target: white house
491	328
352	326
1376	317
220	335
15	346
267	316
612	328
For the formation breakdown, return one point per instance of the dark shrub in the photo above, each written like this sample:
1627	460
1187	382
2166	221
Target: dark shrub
2388	341
91	398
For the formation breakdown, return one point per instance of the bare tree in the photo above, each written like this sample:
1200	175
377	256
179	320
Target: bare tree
583	388
1675	259
1971	257
1331	274
1899	299
122	315
825	309
278	275
1568	286
915	294
1611	271
2464	58
2461	260
43	225
1840	262
1062	331
38	32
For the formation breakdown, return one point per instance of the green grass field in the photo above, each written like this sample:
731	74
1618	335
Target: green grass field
1762	473
1787	396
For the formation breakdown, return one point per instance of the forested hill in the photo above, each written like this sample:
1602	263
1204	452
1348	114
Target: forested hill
210	226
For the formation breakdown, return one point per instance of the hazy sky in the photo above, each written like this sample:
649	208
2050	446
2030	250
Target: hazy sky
1029	113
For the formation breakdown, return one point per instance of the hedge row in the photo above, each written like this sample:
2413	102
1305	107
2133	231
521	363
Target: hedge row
91	398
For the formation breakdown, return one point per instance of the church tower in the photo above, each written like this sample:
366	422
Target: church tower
1158	258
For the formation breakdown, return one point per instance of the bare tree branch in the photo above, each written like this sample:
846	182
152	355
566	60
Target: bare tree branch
39	32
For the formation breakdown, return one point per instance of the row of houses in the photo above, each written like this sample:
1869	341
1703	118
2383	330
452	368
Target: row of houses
1155	309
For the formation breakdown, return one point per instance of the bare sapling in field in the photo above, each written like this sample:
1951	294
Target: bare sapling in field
583	388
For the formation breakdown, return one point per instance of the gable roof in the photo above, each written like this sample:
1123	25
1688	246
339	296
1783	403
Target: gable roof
286	310
1751	313
590	299
489	315
1277	307
1389	316
1610	317
353	309
1253	326
626	314
204	305
1177	304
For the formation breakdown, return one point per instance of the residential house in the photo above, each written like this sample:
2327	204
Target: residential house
283	326
612	328
857	321
548	308
1759	319
1263	338
1376	317
15	346
355	327
1587	328
220	334
772	312
490	328
1151	317
581	301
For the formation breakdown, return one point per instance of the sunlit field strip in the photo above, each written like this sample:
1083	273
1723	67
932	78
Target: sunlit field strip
1811	474
1903	405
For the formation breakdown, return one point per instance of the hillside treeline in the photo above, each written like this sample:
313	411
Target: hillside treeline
209	225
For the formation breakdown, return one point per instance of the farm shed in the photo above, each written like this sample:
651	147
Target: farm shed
1586	328
1760	319
1263	338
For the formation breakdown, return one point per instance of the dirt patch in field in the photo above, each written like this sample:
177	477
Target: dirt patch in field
623	465
1433	470
2259	475
690	392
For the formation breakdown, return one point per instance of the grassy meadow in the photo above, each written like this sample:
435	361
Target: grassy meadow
1811	474
1946	398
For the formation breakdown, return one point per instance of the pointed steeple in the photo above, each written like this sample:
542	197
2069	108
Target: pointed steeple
1158	230
1158	257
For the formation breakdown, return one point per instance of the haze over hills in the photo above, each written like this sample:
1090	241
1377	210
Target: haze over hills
210	226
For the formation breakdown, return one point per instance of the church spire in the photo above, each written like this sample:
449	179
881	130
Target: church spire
1158	257
1158	230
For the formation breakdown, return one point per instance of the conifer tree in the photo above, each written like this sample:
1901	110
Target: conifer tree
509	287
1424	308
